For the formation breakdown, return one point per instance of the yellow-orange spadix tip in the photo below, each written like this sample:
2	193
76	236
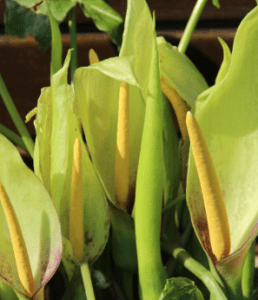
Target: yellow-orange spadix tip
93	57
179	105
214	204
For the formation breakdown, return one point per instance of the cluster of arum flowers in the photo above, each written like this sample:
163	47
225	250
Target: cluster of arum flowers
112	206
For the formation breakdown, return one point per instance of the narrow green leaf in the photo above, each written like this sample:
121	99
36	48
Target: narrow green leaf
105	18
19	123
20	21
180	289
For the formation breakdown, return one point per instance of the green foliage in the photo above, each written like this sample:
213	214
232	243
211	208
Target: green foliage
105	18
20	21
180	289
25	17
58	8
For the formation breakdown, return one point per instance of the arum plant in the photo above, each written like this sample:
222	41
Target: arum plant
229	125
30	231
77	195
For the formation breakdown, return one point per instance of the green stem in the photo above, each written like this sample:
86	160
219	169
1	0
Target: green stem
86	278
56	47
13	137
248	273
191	24
73	40
196	268
173	203
23	131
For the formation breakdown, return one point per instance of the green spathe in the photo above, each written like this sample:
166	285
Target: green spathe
179	72
230	126
37	218
57	122
97	93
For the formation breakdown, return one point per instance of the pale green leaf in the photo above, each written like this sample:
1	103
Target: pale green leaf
180	289
37	218
179	72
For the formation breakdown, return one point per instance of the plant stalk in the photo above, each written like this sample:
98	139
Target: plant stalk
191	24
86	278
196	268
23	131
73	41
13	137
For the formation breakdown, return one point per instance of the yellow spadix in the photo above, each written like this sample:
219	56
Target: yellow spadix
212	195
19	247
76	204
93	57
122	160
179	105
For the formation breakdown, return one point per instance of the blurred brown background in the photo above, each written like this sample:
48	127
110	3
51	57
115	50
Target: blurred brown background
25	68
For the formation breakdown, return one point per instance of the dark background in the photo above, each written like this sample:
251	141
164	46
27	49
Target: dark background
25	68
